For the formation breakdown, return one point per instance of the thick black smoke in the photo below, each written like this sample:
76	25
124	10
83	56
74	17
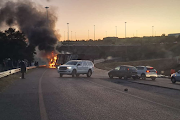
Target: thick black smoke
32	20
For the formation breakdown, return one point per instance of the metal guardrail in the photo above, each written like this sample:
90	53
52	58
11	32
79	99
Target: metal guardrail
10	72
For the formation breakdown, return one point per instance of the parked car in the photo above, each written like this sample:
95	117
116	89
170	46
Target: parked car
175	77
125	71
76	67
146	72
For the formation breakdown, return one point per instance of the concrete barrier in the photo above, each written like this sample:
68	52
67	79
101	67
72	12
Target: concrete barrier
10	72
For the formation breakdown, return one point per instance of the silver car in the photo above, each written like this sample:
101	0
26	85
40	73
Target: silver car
175	77
146	72
76	67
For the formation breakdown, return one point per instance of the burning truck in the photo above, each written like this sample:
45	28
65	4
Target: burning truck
61	59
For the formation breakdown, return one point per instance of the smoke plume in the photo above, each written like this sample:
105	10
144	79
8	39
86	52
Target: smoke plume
32	20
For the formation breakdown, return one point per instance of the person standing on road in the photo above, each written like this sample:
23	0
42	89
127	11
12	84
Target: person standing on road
23	68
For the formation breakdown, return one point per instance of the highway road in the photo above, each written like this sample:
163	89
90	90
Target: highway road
43	95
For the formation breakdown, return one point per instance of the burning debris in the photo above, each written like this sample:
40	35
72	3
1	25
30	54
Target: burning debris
31	19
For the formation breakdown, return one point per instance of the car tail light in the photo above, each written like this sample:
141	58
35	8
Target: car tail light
156	71
128	68
147	71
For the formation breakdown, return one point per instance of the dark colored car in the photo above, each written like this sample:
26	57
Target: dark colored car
125	71
175	77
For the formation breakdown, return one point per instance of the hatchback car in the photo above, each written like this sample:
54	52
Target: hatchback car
175	77
125	71
76	67
146	72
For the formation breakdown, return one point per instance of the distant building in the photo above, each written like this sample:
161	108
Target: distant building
174	34
110	38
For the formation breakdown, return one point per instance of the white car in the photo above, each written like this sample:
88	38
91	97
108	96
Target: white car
76	67
146	72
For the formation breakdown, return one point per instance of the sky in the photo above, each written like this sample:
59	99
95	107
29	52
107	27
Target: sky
143	17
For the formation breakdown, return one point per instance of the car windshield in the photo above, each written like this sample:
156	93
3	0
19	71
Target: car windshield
71	63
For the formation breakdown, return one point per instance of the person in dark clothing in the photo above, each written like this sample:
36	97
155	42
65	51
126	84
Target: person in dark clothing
23	68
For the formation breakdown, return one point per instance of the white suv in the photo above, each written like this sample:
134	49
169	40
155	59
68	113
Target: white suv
76	67
146	72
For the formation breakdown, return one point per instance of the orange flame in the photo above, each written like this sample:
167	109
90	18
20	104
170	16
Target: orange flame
52	63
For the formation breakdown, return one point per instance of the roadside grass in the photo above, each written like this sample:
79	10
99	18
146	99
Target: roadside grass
7	81
159	64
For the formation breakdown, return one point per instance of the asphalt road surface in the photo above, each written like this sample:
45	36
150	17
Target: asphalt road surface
43	95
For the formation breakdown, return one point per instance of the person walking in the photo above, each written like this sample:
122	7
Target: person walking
23	68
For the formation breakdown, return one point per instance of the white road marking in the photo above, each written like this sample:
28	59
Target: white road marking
43	112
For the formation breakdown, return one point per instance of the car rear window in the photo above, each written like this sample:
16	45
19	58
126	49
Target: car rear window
140	68
90	63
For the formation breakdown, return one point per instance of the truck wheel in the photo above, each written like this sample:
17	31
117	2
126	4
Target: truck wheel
61	75
89	73
73	73
173	80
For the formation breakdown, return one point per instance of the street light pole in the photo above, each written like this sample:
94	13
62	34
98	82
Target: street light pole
64	35
94	32
125	29
47	16
136	33
67	31
116	31
88	34
75	35
71	35
152	30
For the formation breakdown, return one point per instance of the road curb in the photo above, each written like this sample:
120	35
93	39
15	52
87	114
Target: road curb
154	85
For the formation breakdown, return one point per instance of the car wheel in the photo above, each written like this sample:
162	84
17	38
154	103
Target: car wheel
173	80
73	73
110	76
143	76
153	78
61	75
89	73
